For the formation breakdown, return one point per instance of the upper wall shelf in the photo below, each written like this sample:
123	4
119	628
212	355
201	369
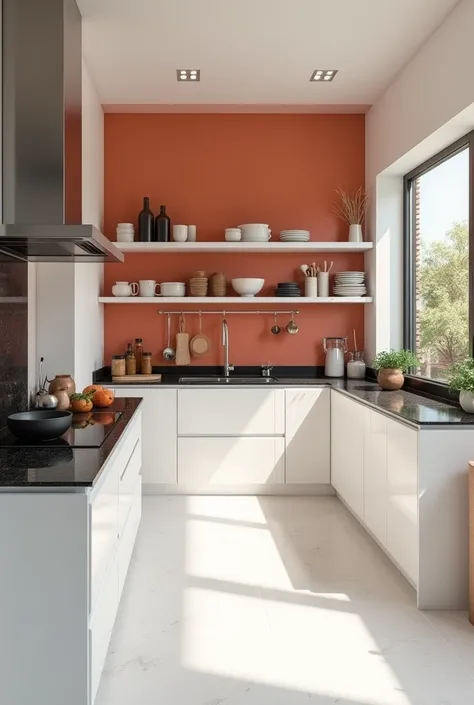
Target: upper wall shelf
273	247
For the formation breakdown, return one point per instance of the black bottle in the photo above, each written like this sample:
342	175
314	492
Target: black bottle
146	222
162	226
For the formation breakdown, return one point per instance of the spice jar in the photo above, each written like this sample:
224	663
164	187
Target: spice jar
118	365
131	363
146	363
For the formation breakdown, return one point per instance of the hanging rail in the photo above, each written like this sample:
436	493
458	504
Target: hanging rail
227	313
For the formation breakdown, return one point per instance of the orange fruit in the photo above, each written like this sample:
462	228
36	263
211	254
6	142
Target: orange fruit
80	403
103	397
92	388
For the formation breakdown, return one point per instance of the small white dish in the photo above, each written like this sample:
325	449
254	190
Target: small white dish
233	234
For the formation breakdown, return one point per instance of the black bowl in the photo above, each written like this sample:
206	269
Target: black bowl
40	425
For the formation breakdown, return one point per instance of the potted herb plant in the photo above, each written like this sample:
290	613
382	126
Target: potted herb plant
392	365
461	379
351	208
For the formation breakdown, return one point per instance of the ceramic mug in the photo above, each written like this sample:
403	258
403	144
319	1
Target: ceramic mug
121	289
172	289
145	287
180	233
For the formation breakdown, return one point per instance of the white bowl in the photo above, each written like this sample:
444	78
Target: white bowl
248	287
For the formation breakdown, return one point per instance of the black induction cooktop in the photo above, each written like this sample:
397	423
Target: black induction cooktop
87	431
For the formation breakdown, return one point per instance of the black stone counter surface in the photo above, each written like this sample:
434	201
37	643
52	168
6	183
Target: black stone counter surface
63	467
412	408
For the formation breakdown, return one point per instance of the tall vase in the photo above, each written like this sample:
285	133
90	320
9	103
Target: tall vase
355	233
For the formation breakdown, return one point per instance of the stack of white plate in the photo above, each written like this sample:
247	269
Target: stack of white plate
350	284
294	235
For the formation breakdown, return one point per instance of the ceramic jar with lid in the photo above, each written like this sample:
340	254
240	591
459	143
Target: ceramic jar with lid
118	366
122	289
62	382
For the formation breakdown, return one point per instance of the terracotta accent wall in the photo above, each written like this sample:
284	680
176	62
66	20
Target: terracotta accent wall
217	171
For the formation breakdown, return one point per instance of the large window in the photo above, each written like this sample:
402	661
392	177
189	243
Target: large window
439	305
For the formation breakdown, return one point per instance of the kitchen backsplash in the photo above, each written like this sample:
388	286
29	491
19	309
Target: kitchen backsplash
218	171
13	339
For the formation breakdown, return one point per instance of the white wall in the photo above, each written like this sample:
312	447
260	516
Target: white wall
69	319
428	106
88	313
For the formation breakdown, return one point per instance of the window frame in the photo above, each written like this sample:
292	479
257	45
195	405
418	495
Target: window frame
409	272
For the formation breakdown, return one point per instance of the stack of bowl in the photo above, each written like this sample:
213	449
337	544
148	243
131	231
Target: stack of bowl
287	289
218	284
198	284
125	232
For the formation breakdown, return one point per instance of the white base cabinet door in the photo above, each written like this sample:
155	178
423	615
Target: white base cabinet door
231	461
231	412
308	436
159	431
375	475
347	450
402	497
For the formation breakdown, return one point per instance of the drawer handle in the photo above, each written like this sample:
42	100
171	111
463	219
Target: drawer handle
131	456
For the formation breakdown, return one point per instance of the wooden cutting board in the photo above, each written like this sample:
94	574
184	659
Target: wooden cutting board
182	345
136	378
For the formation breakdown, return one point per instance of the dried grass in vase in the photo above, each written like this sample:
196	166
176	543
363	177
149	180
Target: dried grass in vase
352	207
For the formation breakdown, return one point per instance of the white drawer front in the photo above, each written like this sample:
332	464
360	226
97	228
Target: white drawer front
104	530
229	412
127	481
127	541
231	461
102	624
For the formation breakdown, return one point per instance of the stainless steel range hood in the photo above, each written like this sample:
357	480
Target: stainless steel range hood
42	137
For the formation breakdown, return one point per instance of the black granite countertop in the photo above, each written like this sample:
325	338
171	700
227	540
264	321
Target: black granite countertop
408	406
62	467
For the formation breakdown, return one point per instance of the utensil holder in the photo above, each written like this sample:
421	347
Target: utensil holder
311	287
323	284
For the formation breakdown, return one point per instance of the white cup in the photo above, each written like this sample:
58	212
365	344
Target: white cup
191	233
121	289
145	287
311	287
180	233
172	289
233	234
323	284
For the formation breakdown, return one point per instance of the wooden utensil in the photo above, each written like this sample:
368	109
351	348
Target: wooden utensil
126	379
200	343
182	344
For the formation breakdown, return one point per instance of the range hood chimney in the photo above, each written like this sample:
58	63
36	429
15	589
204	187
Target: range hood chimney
42	136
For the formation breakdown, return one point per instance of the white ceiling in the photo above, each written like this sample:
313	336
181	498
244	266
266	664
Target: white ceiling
251	52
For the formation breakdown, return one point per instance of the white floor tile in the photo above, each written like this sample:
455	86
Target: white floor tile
275	601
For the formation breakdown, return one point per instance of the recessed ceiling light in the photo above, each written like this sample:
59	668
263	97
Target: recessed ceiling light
323	75
188	74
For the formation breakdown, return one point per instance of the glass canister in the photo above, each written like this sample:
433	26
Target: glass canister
356	367
335	349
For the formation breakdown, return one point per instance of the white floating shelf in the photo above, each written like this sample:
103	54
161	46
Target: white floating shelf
273	247
211	300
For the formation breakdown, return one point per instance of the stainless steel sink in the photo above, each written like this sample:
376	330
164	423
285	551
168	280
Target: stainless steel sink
235	379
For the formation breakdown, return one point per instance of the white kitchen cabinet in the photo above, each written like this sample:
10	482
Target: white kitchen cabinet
308	435
102	624
402	497
375	475
231	412
159	431
231	461
347	450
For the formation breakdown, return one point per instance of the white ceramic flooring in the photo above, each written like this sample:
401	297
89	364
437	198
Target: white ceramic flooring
275	601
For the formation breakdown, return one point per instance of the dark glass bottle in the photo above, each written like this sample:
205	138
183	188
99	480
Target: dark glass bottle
162	226
146	222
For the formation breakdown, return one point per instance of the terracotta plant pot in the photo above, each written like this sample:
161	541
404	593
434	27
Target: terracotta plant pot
390	378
